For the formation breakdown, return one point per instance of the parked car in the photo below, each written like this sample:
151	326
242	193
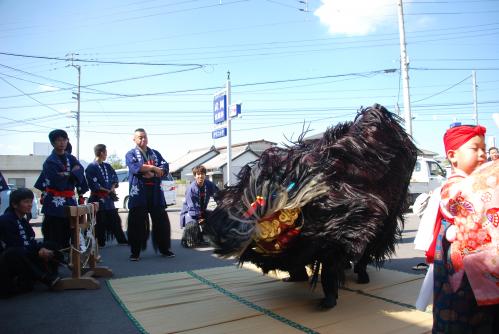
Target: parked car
4	201
167	185
427	175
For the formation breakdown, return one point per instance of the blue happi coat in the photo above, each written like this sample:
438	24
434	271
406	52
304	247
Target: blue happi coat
17	232
192	206
3	183
53	205
135	160
101	175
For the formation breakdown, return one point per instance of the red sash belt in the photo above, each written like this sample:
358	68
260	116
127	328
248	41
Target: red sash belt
61	193
149	183
100	193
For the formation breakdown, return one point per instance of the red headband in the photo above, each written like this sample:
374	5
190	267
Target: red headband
455	137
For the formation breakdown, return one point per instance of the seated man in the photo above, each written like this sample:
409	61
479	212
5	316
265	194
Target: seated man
193	213
22	259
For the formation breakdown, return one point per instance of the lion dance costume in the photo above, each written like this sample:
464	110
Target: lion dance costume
320	203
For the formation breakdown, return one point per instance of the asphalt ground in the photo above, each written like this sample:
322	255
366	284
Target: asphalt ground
96	311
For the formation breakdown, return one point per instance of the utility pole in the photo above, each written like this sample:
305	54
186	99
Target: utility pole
475	105
304	2
78	68
404	66
229	132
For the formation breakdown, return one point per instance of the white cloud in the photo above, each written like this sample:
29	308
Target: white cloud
47	88
356	17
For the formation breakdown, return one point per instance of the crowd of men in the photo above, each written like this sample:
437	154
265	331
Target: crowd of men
63	181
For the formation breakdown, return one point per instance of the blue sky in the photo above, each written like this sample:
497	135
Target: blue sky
157	64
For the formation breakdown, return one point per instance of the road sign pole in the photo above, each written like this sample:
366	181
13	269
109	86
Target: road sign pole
229	133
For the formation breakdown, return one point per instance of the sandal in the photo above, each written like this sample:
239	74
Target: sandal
420	266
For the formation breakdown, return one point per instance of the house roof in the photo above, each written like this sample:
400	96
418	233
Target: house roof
221	159
189	157
195	154
248	143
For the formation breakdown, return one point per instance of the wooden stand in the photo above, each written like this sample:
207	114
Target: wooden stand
78	216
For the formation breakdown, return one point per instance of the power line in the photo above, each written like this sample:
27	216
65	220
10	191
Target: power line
114	62
39	102
443	91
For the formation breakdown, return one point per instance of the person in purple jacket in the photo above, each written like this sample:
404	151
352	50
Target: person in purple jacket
23	260
193	214
102	180
63	173
145	169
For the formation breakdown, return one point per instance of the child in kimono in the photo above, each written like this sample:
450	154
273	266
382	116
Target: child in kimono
461	230
102	180
63	173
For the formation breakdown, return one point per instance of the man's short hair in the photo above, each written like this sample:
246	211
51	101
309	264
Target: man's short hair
140	130
492	148
20	194
57	133
198	169
99	148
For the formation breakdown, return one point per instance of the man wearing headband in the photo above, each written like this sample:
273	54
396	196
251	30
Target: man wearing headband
63	173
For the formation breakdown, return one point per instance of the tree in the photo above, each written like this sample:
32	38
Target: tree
115	161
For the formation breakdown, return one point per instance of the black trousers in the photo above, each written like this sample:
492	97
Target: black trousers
108	227
20	269
138	227
56	230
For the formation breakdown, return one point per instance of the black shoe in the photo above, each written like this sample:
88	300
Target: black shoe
50	280
168	254
134	258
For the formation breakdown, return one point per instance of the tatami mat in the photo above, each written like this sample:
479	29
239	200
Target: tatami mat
242	300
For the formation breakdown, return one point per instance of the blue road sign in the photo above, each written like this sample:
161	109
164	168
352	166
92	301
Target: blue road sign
235	110
220	107
219	133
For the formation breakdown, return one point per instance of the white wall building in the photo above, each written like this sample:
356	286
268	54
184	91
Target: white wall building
21	170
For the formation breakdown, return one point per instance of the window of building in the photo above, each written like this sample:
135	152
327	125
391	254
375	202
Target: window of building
16	182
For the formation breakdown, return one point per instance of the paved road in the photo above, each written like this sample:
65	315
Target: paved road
95	311
403	260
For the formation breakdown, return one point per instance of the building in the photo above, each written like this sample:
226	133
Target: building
21	170
215	160
181	167
216	168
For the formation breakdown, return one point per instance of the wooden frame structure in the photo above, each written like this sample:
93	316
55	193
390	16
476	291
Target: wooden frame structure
79	219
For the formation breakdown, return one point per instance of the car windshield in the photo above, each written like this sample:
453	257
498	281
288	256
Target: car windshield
122	176
167	177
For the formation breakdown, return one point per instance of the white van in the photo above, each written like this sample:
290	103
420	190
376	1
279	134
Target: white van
167	185
427	176
5	198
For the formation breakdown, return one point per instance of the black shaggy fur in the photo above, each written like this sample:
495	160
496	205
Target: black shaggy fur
351	186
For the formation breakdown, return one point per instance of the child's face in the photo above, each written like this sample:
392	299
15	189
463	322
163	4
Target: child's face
469	156
24	206
200	177
60	144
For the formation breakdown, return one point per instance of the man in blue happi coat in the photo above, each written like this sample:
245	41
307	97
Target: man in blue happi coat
23	260
146	167
102	180
63	173
194	209
40	181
